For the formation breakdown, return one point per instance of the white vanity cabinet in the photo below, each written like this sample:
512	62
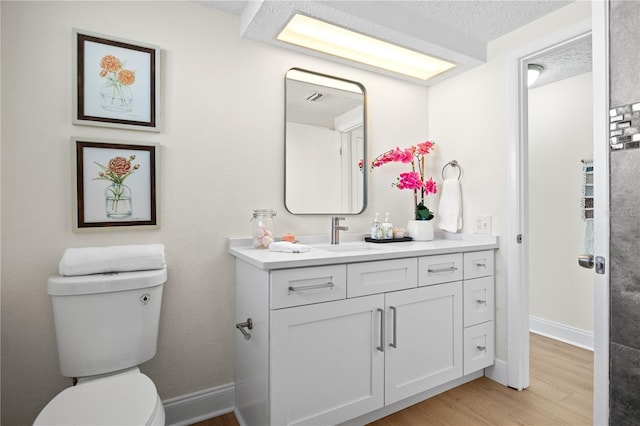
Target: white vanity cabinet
325	367
424	339
479	309
335	342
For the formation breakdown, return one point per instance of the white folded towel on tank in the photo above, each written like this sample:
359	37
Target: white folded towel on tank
99	260
450	208
287	247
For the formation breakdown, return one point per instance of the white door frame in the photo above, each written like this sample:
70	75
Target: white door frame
517	257
517	275
600	18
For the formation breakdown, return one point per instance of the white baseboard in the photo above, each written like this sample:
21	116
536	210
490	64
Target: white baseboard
497	372
564	333
198	406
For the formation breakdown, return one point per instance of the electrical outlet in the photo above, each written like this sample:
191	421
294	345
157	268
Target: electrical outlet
482	225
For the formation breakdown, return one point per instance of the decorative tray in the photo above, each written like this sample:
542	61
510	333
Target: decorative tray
390	240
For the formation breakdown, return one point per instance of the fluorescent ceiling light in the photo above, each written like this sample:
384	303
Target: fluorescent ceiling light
327	38
533	72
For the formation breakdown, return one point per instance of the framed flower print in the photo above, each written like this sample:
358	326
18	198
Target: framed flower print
115	184
116	82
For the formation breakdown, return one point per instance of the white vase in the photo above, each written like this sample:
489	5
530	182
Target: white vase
420	230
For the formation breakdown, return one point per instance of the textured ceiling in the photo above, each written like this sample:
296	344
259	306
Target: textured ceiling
457	30
564	62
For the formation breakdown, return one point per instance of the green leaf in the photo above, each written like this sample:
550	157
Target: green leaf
423	212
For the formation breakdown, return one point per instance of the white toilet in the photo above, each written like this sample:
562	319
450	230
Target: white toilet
106	325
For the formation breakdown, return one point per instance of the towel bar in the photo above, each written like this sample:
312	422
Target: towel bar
452	163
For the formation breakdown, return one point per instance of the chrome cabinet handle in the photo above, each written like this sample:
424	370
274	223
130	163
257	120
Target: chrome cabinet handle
247	324
394	342
481	302
381	347
481	348
442	270
293	289
481	264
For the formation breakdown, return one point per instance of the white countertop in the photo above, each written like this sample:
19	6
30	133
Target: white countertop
353	248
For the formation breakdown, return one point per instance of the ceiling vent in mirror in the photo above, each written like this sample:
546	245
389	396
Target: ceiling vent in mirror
314	96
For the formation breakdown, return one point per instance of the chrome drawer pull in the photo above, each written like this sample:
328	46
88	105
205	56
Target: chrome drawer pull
311	287
442	270
241	326
394	342
481	348
381	347
482	264
481	302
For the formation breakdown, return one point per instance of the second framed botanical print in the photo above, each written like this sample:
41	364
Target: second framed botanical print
115	184
116	82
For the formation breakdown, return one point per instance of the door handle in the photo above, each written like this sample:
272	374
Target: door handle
381	347
586	261
394	342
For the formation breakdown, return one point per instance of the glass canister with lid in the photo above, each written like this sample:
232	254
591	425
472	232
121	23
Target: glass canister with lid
262	227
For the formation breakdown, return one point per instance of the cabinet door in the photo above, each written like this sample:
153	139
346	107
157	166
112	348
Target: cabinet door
424	339
327	364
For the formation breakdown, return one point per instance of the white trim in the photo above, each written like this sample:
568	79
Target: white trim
561	332
498	372
198	406
600	17
517	264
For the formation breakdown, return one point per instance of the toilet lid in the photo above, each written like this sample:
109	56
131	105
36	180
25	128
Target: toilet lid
125	399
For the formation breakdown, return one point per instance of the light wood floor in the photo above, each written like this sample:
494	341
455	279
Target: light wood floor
560	393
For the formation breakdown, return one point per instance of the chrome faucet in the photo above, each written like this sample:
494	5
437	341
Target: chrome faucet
335	229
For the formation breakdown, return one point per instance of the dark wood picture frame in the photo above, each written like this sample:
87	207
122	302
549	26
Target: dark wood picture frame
115	184
116	82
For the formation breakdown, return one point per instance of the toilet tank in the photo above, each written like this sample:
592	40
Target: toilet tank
106	322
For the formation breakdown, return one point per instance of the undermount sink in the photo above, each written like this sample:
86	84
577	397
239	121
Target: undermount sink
347	247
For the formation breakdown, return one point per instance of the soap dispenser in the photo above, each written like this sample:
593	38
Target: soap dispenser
376	229
387	227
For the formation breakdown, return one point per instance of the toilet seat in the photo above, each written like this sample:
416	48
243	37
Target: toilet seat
122	399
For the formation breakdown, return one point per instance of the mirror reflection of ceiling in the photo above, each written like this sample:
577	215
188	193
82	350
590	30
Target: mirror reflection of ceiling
301	108
457	31
564	62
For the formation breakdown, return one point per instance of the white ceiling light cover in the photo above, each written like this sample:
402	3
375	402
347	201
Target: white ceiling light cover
314	34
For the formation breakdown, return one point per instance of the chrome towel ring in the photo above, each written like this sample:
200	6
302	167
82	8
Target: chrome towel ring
452	163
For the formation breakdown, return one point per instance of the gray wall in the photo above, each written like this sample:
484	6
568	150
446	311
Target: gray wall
624	397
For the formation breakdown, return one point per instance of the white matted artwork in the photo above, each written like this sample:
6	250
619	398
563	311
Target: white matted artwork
116	82
115	184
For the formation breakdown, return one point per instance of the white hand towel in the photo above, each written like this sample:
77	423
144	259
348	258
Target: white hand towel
99	260
450	208
287	247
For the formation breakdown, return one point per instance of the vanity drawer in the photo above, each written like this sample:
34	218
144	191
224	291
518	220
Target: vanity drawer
478	264
382	276
439	269
303	286
479	347
478	300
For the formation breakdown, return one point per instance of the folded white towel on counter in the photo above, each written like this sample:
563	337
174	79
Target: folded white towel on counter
450	208
99	260
287	247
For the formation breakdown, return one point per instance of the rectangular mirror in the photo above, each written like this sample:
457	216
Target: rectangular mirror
325	144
